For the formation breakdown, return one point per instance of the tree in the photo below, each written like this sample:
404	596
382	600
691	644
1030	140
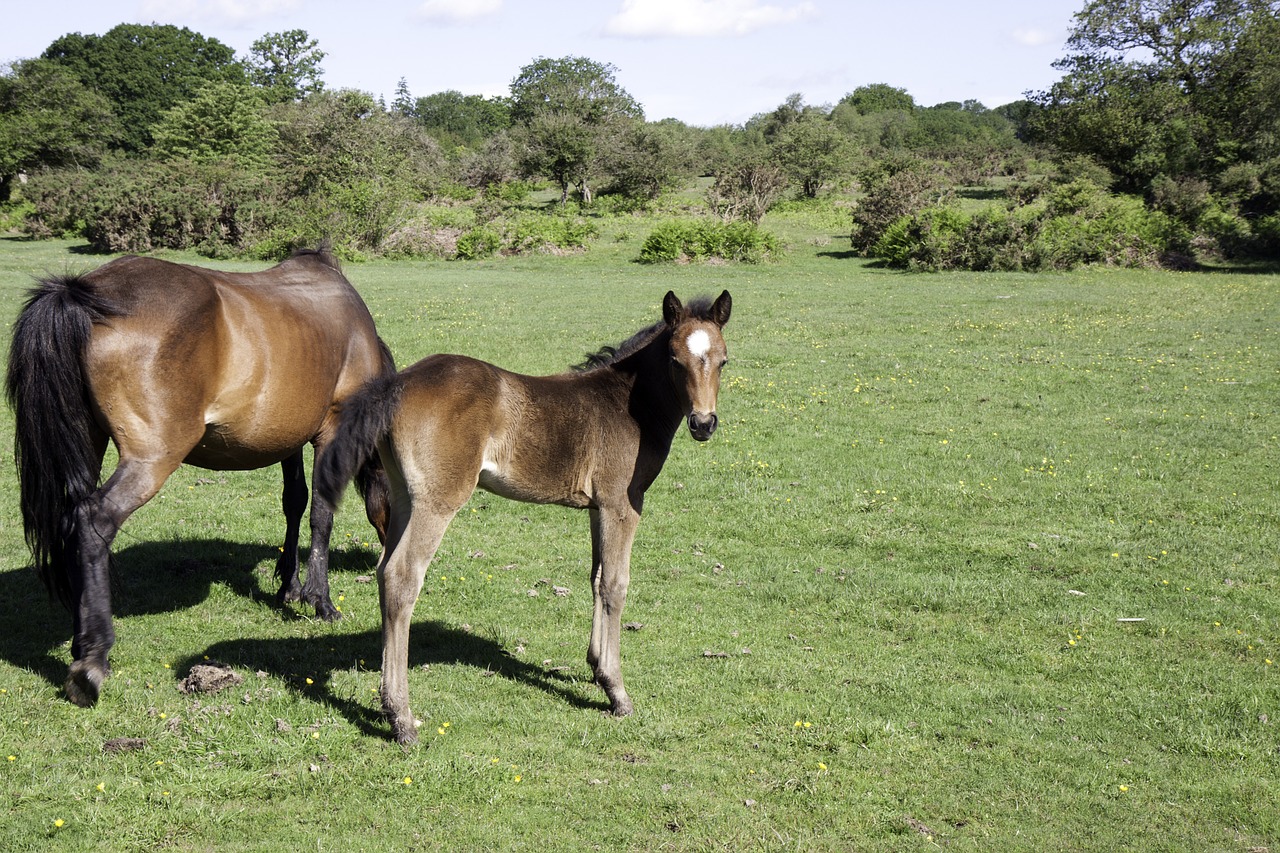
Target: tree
403	104
649	158
462	121
812	152
789	112
568	112
286	66
1185	39
879	98
352	167
1165	87
144	70
49	119
224	120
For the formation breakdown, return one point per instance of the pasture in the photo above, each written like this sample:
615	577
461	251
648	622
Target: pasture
974	562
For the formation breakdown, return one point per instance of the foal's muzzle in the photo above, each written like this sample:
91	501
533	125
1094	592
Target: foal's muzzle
702	426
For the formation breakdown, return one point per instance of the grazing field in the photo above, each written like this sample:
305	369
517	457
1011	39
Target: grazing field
980	562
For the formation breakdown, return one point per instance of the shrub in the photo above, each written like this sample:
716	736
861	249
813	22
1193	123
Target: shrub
1085	224
692	240
746	192
894	189
548	233
1078	223
478	243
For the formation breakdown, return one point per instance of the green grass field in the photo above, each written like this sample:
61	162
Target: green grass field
980	562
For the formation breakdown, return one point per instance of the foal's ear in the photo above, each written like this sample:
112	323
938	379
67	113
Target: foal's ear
672	310
720	309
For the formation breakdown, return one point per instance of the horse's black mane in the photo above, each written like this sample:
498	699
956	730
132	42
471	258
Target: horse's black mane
699	308
323	253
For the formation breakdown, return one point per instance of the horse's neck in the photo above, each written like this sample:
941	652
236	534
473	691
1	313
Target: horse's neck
653	395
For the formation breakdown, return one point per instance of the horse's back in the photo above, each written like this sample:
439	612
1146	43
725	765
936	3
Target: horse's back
242	367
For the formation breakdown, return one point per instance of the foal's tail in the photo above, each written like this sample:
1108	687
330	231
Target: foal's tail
365	418
58	463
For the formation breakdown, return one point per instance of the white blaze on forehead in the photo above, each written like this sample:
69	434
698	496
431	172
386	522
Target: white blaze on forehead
699	343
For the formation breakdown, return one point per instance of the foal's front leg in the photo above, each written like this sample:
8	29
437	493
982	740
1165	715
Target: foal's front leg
612	532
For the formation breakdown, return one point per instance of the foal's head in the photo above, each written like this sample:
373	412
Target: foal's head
697	355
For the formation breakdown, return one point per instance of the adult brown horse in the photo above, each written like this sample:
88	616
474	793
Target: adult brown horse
176	363
592	439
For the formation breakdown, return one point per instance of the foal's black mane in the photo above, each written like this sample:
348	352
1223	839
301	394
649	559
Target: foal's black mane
698	308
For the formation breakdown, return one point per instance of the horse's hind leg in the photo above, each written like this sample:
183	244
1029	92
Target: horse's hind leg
294	502
96	521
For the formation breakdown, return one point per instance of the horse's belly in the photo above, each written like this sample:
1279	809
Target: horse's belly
506	485
223	449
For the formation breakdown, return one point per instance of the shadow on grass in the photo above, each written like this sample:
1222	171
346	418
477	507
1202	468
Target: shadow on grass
296	659
168	577
146	578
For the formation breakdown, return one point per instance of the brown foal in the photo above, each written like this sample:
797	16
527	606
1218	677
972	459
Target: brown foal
592	439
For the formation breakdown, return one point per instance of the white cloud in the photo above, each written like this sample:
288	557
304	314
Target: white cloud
1033	37
695	18
231	12
458	11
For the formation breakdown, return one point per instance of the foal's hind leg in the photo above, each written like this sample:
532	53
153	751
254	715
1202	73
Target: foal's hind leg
410	547
95	523
294	502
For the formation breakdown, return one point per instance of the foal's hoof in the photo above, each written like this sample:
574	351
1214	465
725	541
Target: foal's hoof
84	684
404	735
621	707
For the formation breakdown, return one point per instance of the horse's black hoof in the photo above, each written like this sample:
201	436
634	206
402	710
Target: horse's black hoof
287	595
327	612
83	686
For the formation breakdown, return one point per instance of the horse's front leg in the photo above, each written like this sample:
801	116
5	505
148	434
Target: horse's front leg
612	532
293	501
316	590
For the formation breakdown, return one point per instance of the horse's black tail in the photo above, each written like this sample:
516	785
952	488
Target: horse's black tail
365	418
58	463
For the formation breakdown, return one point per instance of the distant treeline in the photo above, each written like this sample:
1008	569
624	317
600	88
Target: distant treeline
155	136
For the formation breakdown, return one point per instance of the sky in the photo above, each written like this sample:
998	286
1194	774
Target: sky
704	62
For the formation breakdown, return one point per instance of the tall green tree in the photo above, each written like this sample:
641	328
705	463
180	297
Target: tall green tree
462	121
1170	89
49	119
286	66
812	152
144	70
569	112
223	121
878	98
